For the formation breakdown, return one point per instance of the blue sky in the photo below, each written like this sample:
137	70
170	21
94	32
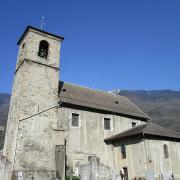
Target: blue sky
109	44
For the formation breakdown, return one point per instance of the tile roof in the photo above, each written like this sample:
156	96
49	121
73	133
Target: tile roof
100	100
146	129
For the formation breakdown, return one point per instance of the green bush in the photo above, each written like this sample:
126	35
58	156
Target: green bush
73	178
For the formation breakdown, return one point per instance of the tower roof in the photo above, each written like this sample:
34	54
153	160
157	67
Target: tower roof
39	30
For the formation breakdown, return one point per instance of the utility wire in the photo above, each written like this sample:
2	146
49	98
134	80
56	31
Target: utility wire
41	112
59	105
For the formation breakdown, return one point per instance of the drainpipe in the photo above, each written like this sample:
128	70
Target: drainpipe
145	151
113	144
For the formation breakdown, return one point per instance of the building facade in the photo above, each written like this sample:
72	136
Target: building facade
57	129
150	152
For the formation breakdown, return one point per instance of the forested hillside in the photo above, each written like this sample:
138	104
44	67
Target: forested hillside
162	106
4	107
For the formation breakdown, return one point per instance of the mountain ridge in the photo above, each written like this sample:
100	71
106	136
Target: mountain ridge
4	107
163	106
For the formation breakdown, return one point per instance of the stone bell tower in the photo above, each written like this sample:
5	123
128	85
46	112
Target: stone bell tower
33	136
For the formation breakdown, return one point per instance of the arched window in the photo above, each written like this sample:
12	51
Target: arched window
23	45
166	153
123	151
43	49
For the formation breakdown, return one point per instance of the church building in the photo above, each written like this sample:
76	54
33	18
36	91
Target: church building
57	130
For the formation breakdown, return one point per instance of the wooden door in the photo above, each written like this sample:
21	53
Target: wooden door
125	173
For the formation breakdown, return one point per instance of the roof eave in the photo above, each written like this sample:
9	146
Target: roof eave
145	135
111	139
40	30
161	136
137	117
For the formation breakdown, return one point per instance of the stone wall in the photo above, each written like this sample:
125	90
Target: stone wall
32	130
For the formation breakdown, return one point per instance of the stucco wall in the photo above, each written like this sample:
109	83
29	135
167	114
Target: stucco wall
135	160
142	155
88	138
158	162
147	155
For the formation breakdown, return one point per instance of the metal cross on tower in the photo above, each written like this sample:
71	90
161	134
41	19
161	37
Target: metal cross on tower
42	23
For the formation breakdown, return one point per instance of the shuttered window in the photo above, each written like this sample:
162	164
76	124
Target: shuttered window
166	153
107	123
75	120
123	151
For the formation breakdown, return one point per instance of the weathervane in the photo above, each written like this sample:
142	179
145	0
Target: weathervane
42	23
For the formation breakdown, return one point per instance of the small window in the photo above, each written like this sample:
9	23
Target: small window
107	123
133	124
43	49
23	46
166	153
75	120
123	151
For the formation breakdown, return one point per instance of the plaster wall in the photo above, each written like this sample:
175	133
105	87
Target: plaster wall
157	160
143	156
88	139
135	160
